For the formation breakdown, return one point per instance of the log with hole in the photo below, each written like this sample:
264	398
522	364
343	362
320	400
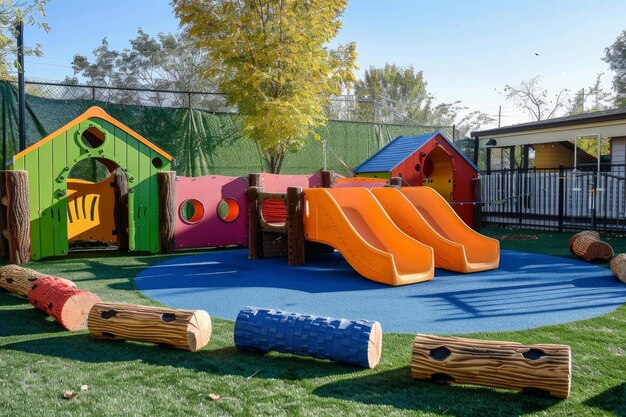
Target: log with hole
618	266
540	368
182	329
68	305
20	280
357	342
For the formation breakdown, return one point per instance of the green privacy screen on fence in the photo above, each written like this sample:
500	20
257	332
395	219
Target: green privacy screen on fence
202	143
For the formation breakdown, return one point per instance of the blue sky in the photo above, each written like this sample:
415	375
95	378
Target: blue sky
468	50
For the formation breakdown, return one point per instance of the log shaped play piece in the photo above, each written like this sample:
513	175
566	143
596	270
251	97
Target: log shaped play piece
357	342
181	329
18	280
534	368
587	245
618	266
69	306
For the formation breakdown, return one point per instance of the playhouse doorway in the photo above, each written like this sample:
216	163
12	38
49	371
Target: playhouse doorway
97	214
438	172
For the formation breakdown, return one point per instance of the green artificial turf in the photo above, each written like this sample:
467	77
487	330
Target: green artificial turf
39	361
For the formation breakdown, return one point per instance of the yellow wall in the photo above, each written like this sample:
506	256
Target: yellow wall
551	155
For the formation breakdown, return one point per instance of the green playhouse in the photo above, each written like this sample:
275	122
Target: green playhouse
54	206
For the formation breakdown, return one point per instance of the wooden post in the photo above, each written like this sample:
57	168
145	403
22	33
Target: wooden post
295	226
255	245
167	210
68	305
20	280
477	207
18	216
254	180
120	210
327	179
181	329
543	368
4	243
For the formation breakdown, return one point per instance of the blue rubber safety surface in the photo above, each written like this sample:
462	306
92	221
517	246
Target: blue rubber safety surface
527	291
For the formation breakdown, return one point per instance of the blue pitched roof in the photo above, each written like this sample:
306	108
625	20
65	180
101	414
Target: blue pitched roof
399	149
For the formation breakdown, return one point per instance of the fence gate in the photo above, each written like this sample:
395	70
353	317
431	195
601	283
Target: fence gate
556	199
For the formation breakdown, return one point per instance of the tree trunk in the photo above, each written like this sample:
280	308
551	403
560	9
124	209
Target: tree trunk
181	329
544	367
20	280
274	159
68	305
18	216
120	210
167	209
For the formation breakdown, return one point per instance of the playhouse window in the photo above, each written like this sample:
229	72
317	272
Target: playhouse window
228	210
93	137
191	211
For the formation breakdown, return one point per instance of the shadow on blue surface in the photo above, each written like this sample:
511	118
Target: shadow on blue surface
528	290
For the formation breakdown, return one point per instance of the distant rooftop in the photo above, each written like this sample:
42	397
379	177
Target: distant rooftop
577	119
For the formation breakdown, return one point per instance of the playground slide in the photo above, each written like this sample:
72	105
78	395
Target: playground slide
426	216
352	221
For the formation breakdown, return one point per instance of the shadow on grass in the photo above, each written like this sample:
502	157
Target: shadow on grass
221	361
612	400
23	319
396	388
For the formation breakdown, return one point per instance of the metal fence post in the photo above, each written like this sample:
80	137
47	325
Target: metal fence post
561	201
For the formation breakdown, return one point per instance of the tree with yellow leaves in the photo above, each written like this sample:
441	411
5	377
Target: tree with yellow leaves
273	64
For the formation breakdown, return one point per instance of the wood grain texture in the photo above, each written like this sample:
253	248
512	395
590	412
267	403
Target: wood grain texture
69	306
181	329
587	245
618	266
18	216
167	210
19	280
541	367
120	210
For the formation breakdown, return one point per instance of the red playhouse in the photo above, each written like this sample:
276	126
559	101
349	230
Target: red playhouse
431	160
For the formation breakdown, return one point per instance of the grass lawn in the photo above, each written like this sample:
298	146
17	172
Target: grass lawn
39	361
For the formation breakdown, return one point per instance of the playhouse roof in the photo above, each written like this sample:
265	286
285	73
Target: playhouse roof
399	149
95	112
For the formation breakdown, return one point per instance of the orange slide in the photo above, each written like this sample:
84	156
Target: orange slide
353	221
425	216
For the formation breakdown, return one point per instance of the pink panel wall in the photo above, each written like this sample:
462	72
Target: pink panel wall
359	182
211	230
274	183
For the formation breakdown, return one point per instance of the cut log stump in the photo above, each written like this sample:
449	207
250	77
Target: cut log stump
20	280
587	245
181	329
357	342
69	306
618	266
543	368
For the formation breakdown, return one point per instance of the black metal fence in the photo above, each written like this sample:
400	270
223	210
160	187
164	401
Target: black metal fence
563	199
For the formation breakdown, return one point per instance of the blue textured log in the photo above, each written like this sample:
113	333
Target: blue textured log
356	342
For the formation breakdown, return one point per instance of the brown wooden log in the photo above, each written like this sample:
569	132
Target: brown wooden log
589	247
120	210
255	242
534	368
181	329
4	243
573	238
167	210
19	280
18	216
69	306
618	266
327	179
295	226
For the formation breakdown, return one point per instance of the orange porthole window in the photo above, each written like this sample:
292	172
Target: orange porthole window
191	211
228	210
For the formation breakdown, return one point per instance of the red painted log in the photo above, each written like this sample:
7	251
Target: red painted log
19	280
67	305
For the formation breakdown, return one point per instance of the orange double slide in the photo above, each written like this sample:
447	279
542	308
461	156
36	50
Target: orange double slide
352	221
396	237
423	214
